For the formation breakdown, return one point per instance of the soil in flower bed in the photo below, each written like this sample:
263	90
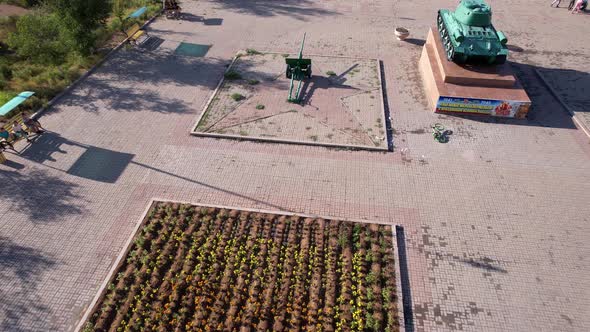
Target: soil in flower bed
194	268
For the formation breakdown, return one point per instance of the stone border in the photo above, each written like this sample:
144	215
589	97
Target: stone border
398	283
581	125
92	69
118	261
260	139
120	258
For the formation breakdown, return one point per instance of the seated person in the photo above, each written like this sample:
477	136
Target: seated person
4	137
32	124
18	131
172	5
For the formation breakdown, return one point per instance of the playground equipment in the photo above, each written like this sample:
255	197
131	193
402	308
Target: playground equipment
469	36
297	69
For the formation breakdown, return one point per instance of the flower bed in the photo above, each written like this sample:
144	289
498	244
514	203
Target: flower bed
212	269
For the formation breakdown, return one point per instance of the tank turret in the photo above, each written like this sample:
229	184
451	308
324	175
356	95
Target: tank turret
468	36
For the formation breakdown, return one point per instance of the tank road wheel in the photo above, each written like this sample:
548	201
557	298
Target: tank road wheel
450	53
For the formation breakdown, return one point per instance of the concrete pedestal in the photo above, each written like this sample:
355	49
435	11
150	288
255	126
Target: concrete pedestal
451	88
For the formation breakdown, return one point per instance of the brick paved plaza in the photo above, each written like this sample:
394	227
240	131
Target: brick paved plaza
496	221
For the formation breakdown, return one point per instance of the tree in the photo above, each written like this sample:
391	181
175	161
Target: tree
41	37
81	18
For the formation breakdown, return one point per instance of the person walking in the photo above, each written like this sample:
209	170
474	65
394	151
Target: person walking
556	3
577	6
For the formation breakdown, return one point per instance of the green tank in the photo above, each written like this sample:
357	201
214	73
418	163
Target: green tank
468	35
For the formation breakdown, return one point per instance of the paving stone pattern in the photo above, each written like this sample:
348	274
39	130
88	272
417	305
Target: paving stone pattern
496	221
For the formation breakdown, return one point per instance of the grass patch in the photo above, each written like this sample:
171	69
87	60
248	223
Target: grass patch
243	133
253	81
232	75
259	107
313	138
237	96
48	78
251	51
330	73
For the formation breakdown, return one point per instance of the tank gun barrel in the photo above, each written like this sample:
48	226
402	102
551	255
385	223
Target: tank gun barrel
301	49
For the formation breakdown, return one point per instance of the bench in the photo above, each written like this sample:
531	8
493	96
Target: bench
135	33
7	124
6	120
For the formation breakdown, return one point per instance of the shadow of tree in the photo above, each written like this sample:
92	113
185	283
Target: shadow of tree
130	81
298	9
485	263
21	269
43	197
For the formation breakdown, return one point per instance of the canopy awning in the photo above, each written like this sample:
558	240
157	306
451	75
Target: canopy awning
138	12
14	102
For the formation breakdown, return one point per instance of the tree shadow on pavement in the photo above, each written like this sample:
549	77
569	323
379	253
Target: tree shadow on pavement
40	195
21	269
137	80
298	9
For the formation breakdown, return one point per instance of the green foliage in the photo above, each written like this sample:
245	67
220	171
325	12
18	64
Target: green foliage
5	96
41	38
232	75
253	81
237	97
81	17
330	73
251	51
259	107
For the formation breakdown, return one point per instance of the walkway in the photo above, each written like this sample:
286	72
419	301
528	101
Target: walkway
496	221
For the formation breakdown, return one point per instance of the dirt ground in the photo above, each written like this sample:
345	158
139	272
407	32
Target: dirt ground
10	10
341	104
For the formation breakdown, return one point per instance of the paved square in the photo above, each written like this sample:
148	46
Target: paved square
496	221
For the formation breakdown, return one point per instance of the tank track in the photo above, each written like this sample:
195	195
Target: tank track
445	38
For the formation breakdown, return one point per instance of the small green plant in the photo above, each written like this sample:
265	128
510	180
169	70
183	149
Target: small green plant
251	51
259	107
330	73
253	81
285	55
237	97
243	133
313	138
232	75
329	136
